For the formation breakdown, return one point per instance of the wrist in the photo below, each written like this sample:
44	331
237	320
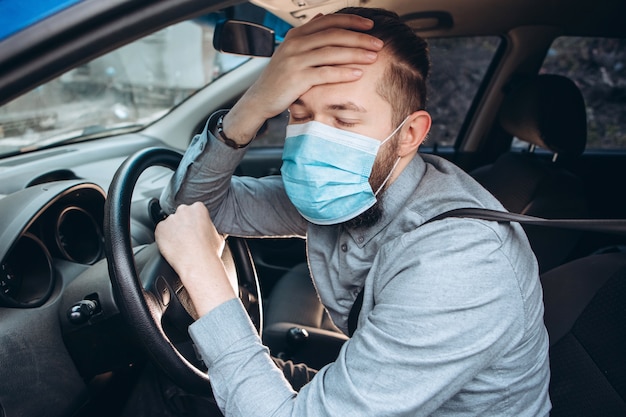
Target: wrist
217	129
208	286
220	133
243	121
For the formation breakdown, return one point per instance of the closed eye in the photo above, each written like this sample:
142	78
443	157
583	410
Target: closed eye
299	118
345	123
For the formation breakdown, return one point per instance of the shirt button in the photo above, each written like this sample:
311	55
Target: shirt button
360	239
344	247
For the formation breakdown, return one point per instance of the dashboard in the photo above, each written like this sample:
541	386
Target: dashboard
52	260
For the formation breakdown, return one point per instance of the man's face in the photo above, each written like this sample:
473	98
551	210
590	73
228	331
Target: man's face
355	107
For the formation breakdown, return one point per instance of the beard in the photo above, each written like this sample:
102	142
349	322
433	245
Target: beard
383	165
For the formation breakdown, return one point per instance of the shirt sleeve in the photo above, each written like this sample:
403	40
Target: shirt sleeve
239	206
443	314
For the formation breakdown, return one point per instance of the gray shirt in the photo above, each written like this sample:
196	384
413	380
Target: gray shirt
452	317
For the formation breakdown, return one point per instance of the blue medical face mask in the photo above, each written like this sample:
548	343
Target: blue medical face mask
326	171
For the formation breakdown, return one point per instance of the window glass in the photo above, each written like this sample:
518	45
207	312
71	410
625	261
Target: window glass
124	89
598	67
458	68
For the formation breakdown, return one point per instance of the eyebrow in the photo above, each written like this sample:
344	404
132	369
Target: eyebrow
348	105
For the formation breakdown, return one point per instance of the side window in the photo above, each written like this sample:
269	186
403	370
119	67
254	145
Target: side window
458	68
598	67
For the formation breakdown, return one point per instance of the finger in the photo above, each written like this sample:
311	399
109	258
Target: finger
346	21
199	207
332	37
322	52
332	75
332	55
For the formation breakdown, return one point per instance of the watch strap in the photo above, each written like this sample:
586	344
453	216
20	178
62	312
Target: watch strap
219	130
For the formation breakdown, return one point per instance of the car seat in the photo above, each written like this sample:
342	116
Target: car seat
297	326
585	314
547	111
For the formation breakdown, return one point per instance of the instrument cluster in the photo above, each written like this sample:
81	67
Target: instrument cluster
68	229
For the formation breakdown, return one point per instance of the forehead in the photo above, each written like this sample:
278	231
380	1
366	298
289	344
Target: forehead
361	95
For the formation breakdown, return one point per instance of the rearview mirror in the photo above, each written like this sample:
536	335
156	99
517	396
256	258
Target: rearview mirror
243	38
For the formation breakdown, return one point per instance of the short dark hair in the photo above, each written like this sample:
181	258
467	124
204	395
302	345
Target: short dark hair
404	82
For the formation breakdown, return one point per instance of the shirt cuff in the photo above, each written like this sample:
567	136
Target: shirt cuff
218	330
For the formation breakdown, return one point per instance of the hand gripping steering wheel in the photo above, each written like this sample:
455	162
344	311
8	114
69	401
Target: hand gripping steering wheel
148	292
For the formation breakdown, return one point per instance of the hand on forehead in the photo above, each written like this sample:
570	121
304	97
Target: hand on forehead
327	50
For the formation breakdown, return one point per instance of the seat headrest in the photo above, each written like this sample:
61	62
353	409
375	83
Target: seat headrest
547	110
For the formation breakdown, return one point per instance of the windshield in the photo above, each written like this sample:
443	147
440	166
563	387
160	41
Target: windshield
122	91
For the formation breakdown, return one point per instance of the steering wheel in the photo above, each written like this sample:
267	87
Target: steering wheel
152	298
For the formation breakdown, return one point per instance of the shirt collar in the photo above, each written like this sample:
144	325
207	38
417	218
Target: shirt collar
394	200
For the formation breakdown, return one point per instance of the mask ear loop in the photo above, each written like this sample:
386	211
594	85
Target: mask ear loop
393	168
395	130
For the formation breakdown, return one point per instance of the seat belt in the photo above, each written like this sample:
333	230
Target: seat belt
614	226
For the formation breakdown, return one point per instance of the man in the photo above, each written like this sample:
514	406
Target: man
452	319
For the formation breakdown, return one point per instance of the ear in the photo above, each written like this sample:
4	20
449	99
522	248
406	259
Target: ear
414	132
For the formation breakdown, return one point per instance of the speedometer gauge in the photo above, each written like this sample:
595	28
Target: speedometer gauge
26	276
78	236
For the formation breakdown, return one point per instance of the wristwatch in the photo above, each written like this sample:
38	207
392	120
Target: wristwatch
219	130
